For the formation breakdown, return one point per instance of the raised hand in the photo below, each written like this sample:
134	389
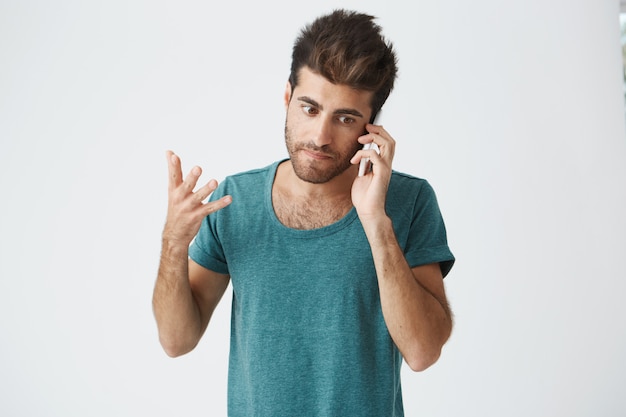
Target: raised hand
186	208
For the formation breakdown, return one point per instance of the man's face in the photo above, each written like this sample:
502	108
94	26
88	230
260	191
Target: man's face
324	121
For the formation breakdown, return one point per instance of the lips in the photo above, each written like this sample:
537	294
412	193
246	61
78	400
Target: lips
316	154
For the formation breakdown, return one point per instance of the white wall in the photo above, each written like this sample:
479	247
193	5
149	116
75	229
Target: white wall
513	110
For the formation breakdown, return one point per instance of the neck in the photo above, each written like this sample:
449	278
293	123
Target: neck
302	205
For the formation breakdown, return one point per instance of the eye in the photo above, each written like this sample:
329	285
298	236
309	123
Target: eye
346	120
310	110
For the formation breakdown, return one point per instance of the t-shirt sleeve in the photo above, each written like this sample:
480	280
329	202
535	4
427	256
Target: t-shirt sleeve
427	239
206	249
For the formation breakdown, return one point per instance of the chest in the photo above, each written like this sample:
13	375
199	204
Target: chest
308	214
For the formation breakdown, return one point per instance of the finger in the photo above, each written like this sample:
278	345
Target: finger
376	138
206	190
368	154
382	138
192	178
217	205
175	174
377	129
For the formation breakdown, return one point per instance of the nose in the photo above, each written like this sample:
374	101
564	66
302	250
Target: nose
323	131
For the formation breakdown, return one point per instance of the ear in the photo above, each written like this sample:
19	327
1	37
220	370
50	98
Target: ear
287	97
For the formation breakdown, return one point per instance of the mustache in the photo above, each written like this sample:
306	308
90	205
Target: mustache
313	147
325	150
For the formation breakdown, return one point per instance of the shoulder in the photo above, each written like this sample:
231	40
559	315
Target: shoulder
408	195
405	186
251	178
254	174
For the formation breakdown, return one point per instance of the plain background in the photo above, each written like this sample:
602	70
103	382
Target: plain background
514	111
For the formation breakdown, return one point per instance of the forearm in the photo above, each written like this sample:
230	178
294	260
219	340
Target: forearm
175	308
418	321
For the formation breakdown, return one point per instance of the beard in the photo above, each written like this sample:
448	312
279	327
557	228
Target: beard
317	172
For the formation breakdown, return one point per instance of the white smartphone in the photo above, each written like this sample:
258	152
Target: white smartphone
365	166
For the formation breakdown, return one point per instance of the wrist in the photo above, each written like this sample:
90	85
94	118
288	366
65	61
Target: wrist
173	246
377	227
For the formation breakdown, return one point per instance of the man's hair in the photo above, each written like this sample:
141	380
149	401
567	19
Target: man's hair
347	47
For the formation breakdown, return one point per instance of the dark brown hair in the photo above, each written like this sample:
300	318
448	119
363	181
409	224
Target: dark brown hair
347	47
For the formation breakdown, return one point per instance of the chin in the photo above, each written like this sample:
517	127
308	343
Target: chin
308	172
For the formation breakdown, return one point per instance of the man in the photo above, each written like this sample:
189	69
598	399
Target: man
336	277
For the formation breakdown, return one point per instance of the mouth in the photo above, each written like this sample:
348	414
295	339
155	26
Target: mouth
319	156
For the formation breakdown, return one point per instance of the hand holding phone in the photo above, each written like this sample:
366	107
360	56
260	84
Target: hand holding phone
365	165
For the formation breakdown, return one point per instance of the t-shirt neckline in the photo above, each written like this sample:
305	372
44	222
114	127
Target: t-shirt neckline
330	229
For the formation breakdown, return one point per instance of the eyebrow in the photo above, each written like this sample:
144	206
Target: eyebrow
309	100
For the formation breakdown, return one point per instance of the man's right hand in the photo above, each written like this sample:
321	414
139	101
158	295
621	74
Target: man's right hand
186	209
185	293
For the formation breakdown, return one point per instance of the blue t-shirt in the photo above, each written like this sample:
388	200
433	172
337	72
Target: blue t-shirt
308	336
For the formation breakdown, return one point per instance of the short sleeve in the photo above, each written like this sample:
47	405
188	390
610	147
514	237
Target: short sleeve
426	241
206	249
